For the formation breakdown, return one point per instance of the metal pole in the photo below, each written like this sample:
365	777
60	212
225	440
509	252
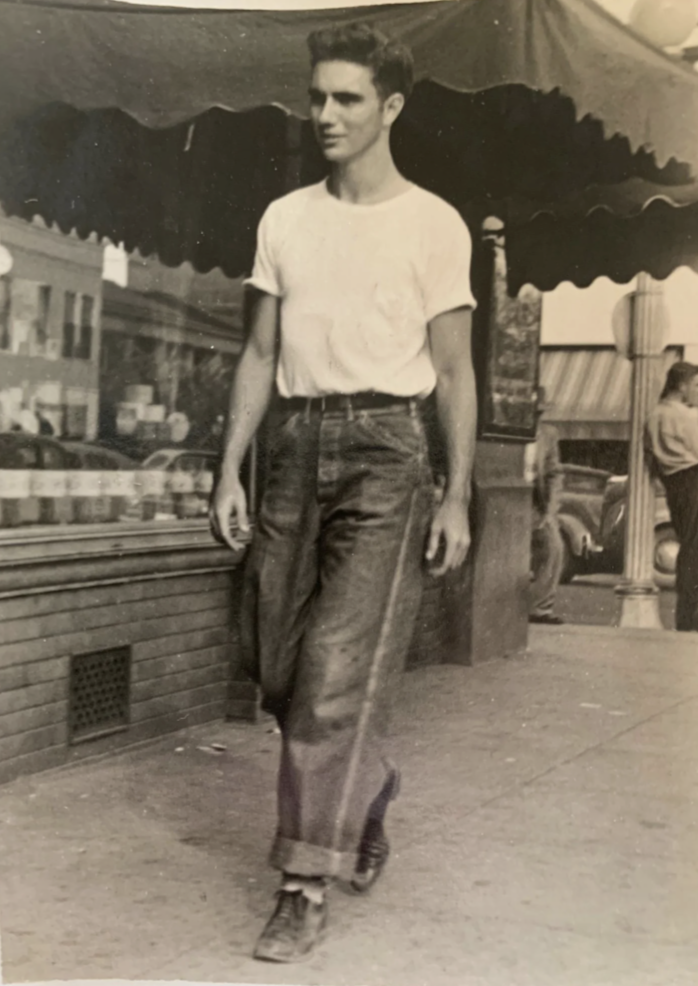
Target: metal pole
639	594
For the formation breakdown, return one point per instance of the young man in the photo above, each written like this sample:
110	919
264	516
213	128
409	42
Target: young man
363	284
672	437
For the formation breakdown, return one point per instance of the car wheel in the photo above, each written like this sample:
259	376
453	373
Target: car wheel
666	549
570	562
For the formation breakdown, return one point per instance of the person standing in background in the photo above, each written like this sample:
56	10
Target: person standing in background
672	440
546	540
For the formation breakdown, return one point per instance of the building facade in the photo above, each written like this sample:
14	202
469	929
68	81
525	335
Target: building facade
50	315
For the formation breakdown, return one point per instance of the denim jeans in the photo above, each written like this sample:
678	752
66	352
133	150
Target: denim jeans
332	589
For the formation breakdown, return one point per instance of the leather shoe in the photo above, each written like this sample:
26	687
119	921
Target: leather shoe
374	848
293	929
546	618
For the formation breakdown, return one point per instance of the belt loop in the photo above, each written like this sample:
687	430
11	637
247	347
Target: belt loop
350	409
306	413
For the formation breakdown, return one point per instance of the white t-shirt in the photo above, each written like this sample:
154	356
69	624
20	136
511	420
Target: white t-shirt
358	286
672	436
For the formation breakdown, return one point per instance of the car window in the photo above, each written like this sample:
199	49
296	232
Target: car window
53	457
158	460
191	463
19	453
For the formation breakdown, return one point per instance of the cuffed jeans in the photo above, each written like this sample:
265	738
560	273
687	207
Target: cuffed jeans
332	590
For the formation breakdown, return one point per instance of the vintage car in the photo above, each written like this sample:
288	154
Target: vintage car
593	508
46	480
580	516
612	536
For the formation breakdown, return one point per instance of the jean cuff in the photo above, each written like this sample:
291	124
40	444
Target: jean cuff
304	859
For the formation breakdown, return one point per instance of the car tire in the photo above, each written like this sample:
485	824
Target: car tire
666	548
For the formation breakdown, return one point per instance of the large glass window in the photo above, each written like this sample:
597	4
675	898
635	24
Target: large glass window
132	437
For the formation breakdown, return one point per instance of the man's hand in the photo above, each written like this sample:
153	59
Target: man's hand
452	523
228	502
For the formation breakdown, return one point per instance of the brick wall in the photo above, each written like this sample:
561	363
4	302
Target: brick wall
182	632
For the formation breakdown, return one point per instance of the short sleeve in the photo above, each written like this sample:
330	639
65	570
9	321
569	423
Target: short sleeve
265	273
447	271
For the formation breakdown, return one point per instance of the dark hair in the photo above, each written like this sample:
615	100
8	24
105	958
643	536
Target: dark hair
390	61
678	374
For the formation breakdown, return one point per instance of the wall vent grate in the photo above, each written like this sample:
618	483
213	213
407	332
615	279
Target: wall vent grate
99	696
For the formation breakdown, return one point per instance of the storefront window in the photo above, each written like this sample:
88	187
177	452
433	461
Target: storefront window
47	481
112	397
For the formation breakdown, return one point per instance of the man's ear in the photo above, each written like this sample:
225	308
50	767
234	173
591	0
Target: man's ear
392	108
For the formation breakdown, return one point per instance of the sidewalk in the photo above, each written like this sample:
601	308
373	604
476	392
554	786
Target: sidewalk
547	835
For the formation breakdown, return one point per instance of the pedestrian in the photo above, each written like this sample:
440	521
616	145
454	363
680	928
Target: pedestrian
672	439
547	549
365	277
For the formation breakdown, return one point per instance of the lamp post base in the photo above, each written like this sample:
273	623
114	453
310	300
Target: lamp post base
639	605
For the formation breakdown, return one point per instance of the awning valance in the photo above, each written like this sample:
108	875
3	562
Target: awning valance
167	65
123	120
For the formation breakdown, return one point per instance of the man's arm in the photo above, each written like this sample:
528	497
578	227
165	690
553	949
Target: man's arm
249	400
456	400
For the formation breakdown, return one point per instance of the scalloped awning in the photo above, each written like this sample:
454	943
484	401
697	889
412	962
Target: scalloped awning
123	120
166	65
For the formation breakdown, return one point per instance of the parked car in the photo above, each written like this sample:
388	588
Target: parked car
580	516
593	509
22	450
40	485
613	525
98	458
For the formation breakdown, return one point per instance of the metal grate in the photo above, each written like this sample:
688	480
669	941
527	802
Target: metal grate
99	693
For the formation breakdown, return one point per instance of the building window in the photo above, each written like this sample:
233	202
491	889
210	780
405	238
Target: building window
41	325
24	317
78	325
87	309
5	311
69	312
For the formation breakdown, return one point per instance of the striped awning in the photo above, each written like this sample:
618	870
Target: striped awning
588	389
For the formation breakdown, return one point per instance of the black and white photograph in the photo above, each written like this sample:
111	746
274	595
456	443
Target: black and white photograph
349	492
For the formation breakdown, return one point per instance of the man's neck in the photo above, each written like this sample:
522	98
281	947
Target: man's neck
368	180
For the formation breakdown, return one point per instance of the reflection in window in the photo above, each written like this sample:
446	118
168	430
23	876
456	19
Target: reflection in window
78	325
24	316
5	309
69	310
41	325
87	307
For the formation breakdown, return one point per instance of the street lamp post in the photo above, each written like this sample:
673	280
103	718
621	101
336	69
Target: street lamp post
645	345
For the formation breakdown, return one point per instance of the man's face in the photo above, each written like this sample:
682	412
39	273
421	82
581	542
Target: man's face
347	111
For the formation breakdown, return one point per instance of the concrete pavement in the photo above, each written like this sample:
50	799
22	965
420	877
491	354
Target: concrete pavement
547	835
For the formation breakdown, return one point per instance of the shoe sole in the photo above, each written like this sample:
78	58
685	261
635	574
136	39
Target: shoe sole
261	956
